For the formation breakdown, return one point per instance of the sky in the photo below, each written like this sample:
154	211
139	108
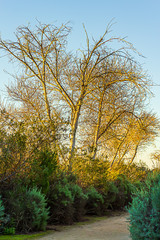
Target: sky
138	20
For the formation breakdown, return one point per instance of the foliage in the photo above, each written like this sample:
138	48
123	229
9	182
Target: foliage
25	151
9	230
43	166
66	199
27	207
156	160
60	201
4	218
116	183
94	202
1	216
124	192
99	173
37	204
109	194
1	210
145	211
12	151
91	172
80	200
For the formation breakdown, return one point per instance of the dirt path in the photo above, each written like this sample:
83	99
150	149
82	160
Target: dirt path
112	228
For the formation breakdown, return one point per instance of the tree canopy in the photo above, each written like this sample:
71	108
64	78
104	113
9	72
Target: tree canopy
89	102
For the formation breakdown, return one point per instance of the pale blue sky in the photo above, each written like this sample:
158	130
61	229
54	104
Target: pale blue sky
139	20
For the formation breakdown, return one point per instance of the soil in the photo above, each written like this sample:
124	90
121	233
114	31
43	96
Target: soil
110	228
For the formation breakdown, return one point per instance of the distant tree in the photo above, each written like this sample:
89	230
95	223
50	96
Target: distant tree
156	160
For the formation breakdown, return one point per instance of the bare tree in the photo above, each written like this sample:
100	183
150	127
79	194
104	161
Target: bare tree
56	86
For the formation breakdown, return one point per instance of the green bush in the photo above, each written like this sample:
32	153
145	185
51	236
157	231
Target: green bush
145	211
79	201
116	194
36	203
1	216
94	202
66	199
60	201
9	231
109	194
1	210
27	208
123	195
4	218
43	166
13	150
9	227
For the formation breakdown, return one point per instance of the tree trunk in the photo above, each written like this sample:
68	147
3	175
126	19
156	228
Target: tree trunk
95	144
74	126
134	155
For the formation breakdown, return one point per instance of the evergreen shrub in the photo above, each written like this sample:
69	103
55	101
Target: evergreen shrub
60	201
4	218
27	208
145	211
109	194
79	202
94	202
123	195
1	216
43	166
66	199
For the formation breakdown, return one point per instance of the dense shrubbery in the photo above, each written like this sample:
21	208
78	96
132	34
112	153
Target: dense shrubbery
94	202
94	190
66	200
109	193
124	192
145	211
26	208
1	216
26	173
43	166
79	203
60	201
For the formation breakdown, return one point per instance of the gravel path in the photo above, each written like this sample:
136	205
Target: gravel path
112	228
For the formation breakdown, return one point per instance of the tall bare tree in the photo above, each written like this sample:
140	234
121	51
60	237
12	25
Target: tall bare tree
56	86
